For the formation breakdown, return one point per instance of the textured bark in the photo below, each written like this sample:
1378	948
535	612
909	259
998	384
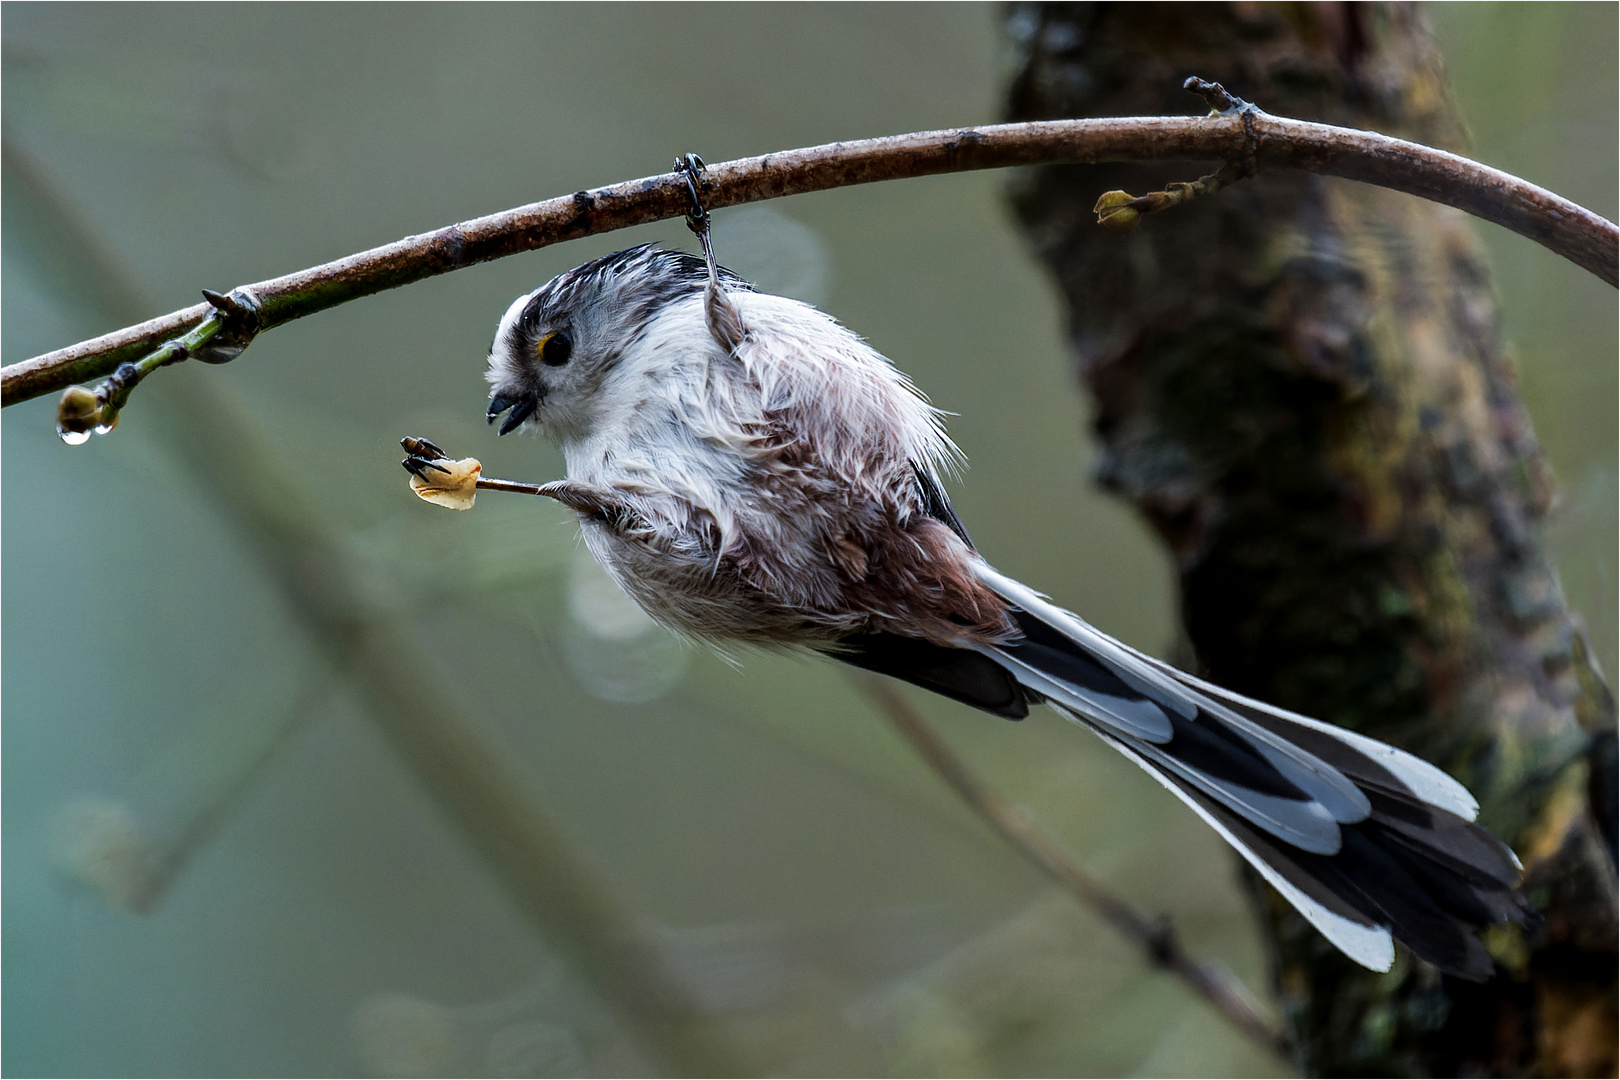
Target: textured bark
1301	384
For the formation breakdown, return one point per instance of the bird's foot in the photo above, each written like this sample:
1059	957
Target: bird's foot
691	168
724	321
423	457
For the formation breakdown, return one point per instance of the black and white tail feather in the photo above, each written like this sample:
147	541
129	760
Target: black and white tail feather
1367	842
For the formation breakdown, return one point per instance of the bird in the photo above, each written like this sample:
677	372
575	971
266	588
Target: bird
755	475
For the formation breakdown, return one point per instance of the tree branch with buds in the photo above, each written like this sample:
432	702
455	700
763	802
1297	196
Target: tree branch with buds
1241	136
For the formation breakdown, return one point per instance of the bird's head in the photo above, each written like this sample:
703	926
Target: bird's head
555	346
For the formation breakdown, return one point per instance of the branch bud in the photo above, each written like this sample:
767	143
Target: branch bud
78	413
1115	213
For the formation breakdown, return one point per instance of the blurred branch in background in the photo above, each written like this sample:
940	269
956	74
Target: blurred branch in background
131	854
355	619
1155	937
1303	388
1247	139
951	1017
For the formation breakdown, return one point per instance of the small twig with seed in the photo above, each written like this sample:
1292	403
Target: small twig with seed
446	482
1120	211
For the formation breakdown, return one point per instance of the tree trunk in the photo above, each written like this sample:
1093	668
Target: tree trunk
1301	383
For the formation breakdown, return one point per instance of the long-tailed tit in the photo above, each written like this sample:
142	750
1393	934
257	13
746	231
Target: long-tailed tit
752	473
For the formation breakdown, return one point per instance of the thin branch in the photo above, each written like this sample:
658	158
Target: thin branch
1241	135
1155	937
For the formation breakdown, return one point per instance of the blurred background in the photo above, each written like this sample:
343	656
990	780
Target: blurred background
213	862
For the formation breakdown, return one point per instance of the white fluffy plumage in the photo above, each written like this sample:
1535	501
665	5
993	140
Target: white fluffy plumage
741	492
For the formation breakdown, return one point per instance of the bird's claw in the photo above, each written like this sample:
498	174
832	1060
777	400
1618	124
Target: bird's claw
724	322
691	168
598	504
422	456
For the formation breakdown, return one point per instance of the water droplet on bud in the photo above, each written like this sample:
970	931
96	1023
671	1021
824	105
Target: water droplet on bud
77	412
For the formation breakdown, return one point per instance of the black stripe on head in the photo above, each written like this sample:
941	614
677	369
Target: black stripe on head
523	334
670	274
648	279
635	283
643	278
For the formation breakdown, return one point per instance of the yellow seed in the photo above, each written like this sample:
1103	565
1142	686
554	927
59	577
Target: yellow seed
455	488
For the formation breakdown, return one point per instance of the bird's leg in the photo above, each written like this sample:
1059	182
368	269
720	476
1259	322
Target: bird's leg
600	504
724	321
690	167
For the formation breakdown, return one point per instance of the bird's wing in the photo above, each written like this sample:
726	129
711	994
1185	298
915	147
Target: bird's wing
936	505
956	673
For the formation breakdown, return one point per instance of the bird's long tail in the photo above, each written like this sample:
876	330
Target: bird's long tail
1369	843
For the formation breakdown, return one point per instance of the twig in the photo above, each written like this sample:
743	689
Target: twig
1155	937
354	618
1120	211
1246	137
228	791
82	412
516	486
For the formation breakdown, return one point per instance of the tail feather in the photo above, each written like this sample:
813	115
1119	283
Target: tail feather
1301	821
1161	686
1443	837
1375	881
1363	759
1126	713
1365	841
1353	933
1366	893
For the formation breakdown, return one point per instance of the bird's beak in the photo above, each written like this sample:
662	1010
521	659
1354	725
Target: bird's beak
522	408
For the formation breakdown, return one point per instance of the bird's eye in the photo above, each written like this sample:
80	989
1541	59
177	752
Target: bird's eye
556	348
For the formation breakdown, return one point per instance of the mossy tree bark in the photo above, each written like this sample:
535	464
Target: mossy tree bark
1301	384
